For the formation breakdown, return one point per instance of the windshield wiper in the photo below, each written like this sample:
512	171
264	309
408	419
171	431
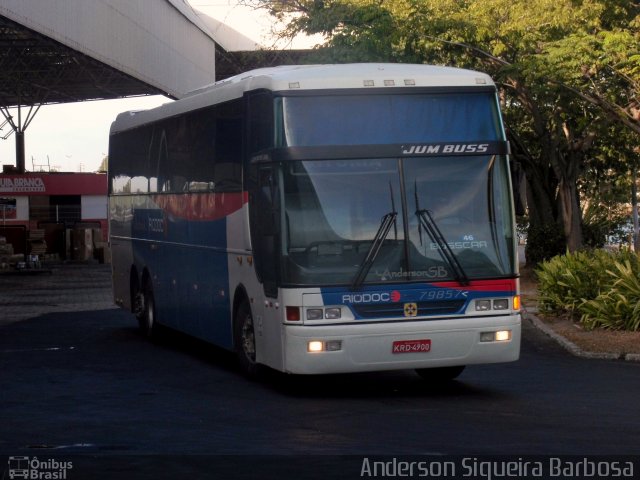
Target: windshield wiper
429	224
388	220
426	220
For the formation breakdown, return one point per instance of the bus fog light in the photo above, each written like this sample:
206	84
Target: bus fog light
314	314
333	345
332	313
483	305
503	335
501	304
488	337
315	346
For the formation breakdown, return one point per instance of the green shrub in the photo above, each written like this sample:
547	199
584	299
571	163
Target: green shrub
602	287
566	280
619	307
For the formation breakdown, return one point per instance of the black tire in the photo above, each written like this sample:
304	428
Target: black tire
441	374
147	320
244	341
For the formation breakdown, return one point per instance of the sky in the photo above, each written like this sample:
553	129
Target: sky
74	137
71	137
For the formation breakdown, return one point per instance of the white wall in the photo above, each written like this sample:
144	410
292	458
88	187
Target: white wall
93	207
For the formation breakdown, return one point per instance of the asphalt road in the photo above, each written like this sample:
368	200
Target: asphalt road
86	386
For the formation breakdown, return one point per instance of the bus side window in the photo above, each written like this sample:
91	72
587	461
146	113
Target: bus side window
228	147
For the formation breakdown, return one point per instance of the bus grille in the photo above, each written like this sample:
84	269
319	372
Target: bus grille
385	310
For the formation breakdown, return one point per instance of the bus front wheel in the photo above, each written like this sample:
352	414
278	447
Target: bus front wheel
441	374
245	341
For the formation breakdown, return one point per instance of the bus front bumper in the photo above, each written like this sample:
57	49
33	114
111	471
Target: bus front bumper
400	345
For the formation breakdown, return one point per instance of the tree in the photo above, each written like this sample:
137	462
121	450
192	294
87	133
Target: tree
104	164
606	186
565	68
603	67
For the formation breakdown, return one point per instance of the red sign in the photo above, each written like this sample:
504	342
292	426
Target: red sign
54	184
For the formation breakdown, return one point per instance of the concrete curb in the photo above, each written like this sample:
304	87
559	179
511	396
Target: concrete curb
575	349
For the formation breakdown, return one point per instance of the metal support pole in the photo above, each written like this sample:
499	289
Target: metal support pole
20	152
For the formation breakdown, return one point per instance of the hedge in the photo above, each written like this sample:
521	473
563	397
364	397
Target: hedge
598	287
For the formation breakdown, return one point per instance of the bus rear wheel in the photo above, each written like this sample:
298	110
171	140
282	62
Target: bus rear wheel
441	374
147	317
244	340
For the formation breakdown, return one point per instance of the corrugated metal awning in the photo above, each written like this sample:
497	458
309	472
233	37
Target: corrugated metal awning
35	69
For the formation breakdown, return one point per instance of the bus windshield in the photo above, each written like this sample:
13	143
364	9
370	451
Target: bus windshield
431	217
334	210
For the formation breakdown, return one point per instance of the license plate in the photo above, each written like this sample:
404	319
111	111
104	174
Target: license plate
412	346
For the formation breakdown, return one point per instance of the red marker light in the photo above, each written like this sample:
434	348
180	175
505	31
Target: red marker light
293	314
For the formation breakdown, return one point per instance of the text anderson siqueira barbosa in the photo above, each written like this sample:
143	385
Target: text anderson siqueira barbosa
478	468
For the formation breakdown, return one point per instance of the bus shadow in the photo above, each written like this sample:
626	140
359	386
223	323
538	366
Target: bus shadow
392	384
397	383
181	343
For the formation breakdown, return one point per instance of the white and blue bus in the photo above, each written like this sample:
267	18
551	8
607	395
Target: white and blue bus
323	219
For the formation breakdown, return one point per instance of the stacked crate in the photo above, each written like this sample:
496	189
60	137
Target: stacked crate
100	247
37	243
6	251
81	244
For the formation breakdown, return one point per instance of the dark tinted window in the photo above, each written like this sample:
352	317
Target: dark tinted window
388	119
200	151
129	161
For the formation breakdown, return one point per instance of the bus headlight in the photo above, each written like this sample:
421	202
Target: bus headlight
501	304
330	313
314	314
333	313
483	305
493	304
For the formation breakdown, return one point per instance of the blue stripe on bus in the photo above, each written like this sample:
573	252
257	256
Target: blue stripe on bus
190	272
433	299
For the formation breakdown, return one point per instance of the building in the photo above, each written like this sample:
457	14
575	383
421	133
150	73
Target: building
59	214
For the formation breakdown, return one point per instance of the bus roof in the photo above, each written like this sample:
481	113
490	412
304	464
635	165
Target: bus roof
310	77
314	77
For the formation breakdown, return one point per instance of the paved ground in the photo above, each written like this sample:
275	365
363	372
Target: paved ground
78	382
58	288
